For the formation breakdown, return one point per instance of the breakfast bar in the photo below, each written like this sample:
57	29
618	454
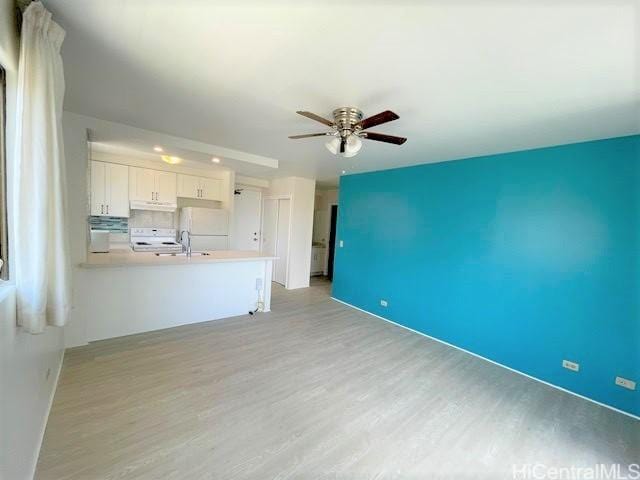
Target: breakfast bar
123	292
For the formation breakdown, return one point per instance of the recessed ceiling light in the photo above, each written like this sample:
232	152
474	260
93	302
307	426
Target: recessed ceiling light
171	160
215	160
158	148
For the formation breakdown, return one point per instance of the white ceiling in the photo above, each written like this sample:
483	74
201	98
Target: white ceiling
466	77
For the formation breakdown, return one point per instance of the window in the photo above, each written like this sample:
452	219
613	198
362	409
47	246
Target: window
4	243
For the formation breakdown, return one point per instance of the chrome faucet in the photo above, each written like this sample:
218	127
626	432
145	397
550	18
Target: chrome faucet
188	246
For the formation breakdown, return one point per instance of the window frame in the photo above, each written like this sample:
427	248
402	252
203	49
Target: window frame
4	234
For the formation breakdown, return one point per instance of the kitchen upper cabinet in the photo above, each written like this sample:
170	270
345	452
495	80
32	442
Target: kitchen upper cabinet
109	189
98	175
166	187
210	188
117	190
188	186
204	188
142	184
152	185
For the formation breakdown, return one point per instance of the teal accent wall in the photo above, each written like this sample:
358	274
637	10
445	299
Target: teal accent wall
525	258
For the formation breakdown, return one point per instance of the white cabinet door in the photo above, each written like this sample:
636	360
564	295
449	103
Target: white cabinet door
317	260
203	188
98	175
210	188
152	185
117	190
188	186
166	187
142	184
109	189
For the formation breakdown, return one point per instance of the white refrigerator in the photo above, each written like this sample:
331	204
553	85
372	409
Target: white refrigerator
209	228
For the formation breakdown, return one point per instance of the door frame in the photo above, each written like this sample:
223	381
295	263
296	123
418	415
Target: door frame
280	197
327	235
240	186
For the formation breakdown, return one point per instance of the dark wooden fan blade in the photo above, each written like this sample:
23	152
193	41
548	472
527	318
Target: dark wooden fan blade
380	137
307	135
317	118
378	119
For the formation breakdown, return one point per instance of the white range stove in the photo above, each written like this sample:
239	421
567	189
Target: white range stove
157	240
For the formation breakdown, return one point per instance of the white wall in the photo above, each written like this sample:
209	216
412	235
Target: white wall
252	181
29	364
302	193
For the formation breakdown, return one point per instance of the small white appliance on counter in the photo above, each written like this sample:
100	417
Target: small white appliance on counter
157	240
99	241
208	228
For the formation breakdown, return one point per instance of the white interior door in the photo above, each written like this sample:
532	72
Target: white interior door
276	218
246	220
270	227
282	244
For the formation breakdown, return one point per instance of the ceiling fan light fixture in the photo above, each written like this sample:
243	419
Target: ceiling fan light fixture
354	144
348	129
333	145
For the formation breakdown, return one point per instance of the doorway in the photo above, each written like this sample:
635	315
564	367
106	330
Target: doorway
332	241
275	231
246	219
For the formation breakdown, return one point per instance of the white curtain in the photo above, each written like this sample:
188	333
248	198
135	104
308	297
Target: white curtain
40	246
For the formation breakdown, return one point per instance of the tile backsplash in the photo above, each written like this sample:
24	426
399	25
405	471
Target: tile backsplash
111	224
119	227
151	219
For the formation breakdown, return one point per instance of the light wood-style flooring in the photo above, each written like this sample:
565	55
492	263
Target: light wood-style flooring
313	389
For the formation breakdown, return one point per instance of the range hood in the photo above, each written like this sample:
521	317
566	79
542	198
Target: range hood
155	206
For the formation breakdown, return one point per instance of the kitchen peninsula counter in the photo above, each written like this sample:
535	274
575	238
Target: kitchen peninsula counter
125	292
123	257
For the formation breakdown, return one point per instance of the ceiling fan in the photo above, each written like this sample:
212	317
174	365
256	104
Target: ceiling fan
348	128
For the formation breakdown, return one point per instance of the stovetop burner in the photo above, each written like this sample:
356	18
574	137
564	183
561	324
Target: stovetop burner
154	240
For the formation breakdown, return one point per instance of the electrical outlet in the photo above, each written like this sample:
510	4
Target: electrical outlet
626	383
383	303
341	244
571	365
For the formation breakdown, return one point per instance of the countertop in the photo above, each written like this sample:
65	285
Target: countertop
124	257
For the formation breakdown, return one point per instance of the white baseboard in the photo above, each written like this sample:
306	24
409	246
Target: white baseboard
46	417
635	417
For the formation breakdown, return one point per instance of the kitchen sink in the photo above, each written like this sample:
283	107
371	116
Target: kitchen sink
183	254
